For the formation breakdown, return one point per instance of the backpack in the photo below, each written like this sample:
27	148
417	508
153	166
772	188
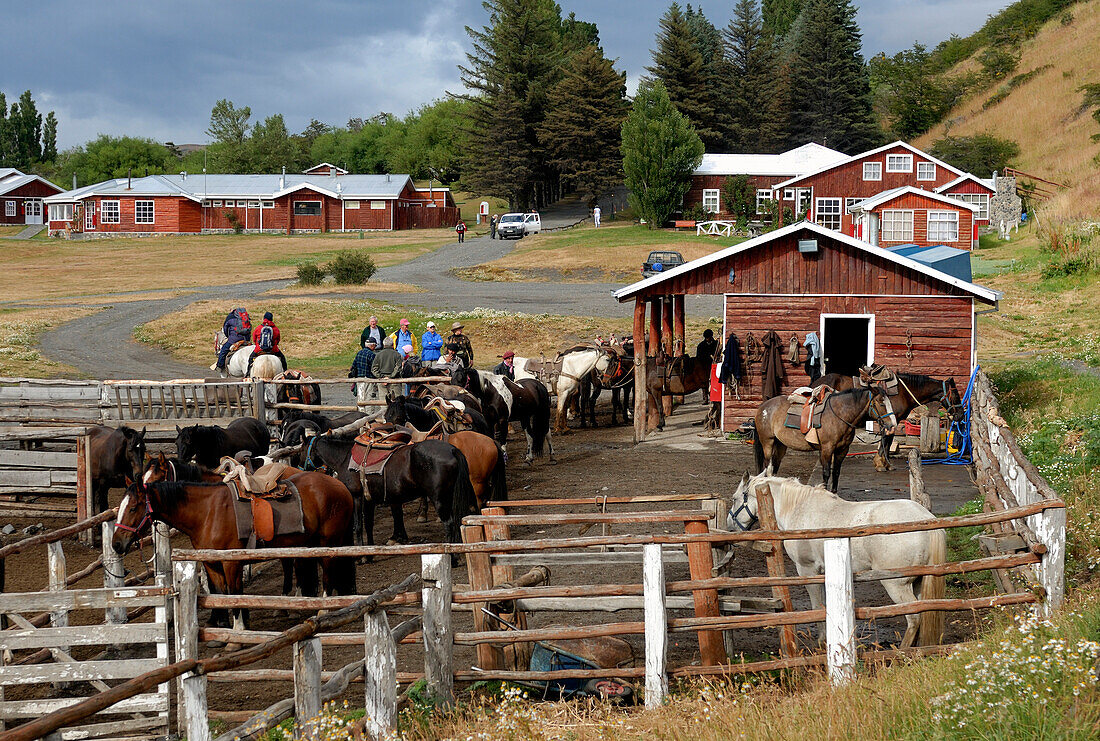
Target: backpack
267	338
238	318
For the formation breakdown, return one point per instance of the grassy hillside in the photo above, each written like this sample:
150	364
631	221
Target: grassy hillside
1043	112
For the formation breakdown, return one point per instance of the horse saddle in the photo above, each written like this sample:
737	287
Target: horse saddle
877	375
806	408
545	370
263	515
452	414
374	447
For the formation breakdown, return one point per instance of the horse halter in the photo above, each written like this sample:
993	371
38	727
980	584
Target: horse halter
753	519
146	518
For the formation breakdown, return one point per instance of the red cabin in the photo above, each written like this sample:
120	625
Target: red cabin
912	216
21	197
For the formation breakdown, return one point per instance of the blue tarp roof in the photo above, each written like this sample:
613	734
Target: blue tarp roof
950	260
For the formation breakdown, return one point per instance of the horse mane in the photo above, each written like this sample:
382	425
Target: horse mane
915	377
794	491
171	493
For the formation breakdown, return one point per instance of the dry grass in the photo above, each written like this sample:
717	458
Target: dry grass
12	230
20	331
54	268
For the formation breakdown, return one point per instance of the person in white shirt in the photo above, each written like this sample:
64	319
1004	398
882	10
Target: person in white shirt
596	216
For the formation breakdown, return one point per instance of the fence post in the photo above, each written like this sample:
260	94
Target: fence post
435	596
192	702
55	557
788	647
259	406
85	504
479	568
162	561
379	675
917	492
656	626
840	611
113	573
712	645
1051	532
307	684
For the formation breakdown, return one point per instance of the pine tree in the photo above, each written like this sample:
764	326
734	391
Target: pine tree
717	79
678	64
832	105
660	152
778	15
757	83
49	138
5	133
26	132
583	126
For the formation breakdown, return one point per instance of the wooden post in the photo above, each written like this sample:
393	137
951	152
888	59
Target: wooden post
840	611
192	712
379	675
113	572
679	323
656	626
435	596
712	649
84	505
1051	532
307	686
515	656
640	405
668	338
259	406
478	566
162	560
917	491
654	327
55	557
766	512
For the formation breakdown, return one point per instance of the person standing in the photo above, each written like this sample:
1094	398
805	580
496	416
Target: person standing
361	368
372	330
404	336
431	345
493	226
596	216
461	344
507	366
460	228
387	361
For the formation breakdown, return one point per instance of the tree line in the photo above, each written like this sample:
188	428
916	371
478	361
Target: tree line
27	140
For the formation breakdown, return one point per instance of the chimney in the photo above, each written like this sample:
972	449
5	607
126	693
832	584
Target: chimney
332	172
387	177
282	179
129	178
183	175
74	181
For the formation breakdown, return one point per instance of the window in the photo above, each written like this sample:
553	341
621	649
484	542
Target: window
267	204
216	204
712	203
943	226
872	171
9	208
143	212
899	163
981	200
307	208
803	200
240	204
849	202
897	226
253	204
351	205
378	205
926	171
763	198
108	212
61	212
828	213
788	194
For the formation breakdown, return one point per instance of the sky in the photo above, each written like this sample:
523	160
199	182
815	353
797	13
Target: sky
155	69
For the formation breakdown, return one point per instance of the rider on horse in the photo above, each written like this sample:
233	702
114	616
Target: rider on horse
236	328
265	339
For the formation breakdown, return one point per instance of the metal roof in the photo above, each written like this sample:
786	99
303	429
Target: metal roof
16	179
807	158
985	294
888	195
871	153
984	182
950	260
200	186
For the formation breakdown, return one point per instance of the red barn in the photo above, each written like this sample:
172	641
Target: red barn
864	303
913	216
973	190
21	197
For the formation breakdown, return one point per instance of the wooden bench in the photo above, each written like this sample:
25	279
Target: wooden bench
684	224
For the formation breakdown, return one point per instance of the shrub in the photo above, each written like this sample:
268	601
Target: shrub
997	64
310	274
351	268
980	154
231	217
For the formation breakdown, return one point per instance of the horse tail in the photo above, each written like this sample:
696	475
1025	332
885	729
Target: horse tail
463	499
758	451
498	479
932	587
540	420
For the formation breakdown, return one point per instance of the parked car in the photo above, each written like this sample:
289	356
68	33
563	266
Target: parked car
660	261
517	226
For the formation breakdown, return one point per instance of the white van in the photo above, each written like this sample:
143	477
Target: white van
516	226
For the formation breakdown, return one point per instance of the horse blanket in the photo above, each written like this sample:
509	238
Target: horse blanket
260	517
805	410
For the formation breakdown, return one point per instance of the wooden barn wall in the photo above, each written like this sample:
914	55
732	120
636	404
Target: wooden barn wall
939	328
778	268
363	217
920	206
708	182
166	215
33	189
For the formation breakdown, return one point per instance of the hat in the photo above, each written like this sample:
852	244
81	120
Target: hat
268	316
372	342
431	325
456	325
404	322
407	349
508	354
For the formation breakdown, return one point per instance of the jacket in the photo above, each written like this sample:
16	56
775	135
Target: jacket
379	335
731	360
361	366
503	369
431	346
463	348
234	329
409	339
386	362
772	368
256	336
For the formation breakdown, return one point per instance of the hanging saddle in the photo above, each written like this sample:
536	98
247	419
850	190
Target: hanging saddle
452	414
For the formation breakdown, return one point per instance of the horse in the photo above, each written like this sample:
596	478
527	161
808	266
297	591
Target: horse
799	506
114	454
677	376
617	375
205	513
576	365
406	410
913	390
296	393
208	444
526	401
842	415
448	392
266	366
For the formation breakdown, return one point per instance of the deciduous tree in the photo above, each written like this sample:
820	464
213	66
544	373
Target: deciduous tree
114	157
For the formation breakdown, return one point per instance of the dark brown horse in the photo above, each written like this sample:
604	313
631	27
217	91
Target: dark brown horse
525	401
844	412
207	444
617	376
204	512
913	390
115	455
678	376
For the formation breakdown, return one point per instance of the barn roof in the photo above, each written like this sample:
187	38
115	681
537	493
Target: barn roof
888	195
807	158
16	179
198	186
869	153
985	294
984	182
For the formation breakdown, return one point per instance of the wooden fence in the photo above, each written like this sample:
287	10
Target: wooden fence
45	472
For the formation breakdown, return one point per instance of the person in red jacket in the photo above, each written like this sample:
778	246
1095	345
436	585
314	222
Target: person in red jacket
460	229
265	339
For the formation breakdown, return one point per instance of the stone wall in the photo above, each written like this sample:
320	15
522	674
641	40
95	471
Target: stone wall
1005	206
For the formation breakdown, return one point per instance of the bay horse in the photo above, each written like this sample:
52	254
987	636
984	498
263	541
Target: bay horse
114	454
303	392
204	512
677	376
799	506
913	390
525	401
842	415
207	444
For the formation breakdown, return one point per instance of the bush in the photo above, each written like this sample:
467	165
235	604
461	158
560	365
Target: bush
231	217
697	213
351	268
980	154
997	64
310	274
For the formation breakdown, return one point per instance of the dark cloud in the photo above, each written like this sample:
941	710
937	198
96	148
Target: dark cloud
156	69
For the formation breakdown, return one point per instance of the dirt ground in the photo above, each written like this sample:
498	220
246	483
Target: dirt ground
599	462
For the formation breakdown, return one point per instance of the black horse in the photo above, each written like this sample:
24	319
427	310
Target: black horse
617	378
404	410
323	422
115	455
207	444
503	400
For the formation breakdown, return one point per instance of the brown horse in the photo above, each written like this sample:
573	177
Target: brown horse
678	376
115	455
204	512
913	390
843	413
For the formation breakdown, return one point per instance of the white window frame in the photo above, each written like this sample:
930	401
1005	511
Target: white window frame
899	163
242	204
267	204
294	207
981	200
830	208
788	194
9	208
216	203
89	216
872	170
253	204
378	205
803	200
712	200
888	231
948	218
60	212
763	195
152	212
351	205
849	202
105	215
929	169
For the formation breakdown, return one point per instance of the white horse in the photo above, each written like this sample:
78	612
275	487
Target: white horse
265	367
575	367
800	506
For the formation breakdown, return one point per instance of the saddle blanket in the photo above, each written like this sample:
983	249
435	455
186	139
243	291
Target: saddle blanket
805	410
261	519
374	447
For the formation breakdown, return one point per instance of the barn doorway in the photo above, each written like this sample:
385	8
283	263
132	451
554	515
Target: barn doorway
847	342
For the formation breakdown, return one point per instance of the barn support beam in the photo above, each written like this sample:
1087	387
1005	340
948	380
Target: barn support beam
679	323
639	371
669	337
654	327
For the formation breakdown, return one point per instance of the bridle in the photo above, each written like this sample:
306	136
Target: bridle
744	506
146	518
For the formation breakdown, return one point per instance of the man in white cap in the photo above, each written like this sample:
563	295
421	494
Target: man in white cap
431	345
